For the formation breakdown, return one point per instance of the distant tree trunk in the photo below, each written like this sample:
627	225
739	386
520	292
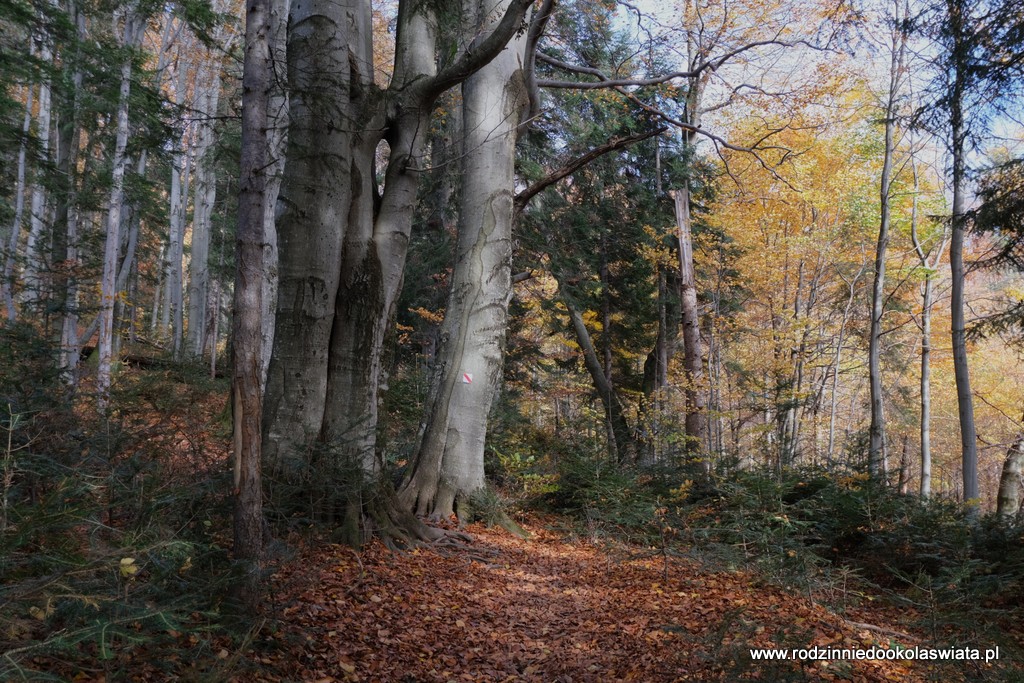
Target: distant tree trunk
958	137
1008	502
154	319
624	443
247	404
693	361
837	364
929	265
66	221
903	484
11	255
133	27
35	258
449	466
205	188
171	321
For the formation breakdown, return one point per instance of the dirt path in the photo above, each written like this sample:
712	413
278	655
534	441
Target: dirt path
543	610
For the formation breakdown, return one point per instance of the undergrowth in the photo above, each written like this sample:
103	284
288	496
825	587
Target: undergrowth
112	548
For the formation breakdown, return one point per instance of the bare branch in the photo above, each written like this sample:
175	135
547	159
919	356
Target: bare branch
537	25
568	169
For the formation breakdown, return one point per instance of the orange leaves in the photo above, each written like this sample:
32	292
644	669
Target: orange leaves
537	611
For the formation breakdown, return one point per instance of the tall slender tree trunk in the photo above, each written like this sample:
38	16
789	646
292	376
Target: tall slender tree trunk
133	27
205	188
35	258
877	446
247	366
837	365
624	443
693	362
66	223
11	255
929	265
958	137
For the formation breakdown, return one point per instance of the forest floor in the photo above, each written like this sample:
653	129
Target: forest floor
552	608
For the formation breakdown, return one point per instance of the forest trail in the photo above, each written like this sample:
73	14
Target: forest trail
544	609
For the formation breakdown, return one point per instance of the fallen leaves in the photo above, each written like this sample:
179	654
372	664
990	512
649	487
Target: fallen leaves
544	610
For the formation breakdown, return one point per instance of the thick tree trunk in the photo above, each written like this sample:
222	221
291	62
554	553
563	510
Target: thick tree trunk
326	370
277	138
449	465
316	193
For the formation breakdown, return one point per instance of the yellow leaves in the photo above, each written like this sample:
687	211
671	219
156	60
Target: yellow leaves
434	317
127	567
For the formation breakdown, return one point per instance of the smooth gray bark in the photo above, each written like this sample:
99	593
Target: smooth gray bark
205	194
958	140
929	263
11	254
277	138
1008	501
326	370
449	465
133	27
35	259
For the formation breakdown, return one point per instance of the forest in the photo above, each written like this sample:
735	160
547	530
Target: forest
518	340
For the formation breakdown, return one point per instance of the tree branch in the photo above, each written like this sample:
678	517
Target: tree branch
478	54
537	26
568	169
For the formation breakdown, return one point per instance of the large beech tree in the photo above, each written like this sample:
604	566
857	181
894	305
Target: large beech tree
342	237
450	462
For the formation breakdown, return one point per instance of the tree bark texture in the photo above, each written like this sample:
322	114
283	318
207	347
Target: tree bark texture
1008	502
205	194
10	255
958	133
326	371
133	27
277	137
693	363
449	465
247	365
877	446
